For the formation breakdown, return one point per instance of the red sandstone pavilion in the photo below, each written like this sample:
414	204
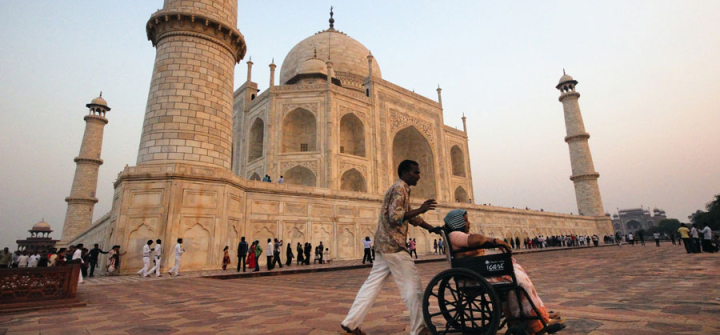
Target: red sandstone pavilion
333	127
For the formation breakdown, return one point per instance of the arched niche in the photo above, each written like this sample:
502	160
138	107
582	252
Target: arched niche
352	135
255	176
353	180
410	144
299	131
300	175
458	161
461	195
256	140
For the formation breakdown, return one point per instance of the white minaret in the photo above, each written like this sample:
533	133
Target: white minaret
82	200
583	176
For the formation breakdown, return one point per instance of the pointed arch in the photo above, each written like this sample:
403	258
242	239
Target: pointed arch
353	180
255	176
256	140
352	135
461	195
300	175
299	131
409	143
458	161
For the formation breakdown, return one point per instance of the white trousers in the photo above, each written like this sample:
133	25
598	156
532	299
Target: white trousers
156	268
175	268
144	270
405	274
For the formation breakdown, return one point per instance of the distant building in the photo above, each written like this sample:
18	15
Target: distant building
39	239
634	219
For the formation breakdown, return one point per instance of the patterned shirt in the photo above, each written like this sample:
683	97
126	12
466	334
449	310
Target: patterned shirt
392	228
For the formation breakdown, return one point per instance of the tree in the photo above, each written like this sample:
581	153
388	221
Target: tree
667	226
711	217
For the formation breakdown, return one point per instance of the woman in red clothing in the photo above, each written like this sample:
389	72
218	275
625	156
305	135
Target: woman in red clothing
226	258
251	257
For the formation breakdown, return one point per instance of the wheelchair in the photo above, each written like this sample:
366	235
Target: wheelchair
460	300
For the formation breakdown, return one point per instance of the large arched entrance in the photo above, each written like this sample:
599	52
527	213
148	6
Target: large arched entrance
633	226
300	175
299	129
256	140
461	195
353	180
352	135
458	161
410	144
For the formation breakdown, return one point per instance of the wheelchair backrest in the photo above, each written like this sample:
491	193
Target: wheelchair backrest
487	265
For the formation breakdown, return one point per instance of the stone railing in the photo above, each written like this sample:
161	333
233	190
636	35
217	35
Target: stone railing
30	287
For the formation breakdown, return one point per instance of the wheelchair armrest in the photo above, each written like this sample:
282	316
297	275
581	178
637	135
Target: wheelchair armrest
486	245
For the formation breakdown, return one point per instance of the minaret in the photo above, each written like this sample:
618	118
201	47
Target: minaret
583	176
82	200
464	123
439	90
272	73
188	117
249	72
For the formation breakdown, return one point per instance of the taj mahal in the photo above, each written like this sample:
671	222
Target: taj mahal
331	126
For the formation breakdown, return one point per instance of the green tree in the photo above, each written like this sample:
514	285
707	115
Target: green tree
711	217
668	226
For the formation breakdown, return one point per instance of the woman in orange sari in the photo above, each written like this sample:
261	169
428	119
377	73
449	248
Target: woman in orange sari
226	258
251	257
460	237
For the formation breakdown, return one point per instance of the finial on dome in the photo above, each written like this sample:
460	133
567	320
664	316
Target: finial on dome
101	94
273	60
563	71
332	21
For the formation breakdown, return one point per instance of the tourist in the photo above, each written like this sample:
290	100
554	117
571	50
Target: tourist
320	251
33	260
60	259
277	249
178	254
93	258
595	240
69	253
242	253
5	258
23	260
318	255
413	249
266	179
281	180
707	239
456	221
656	236
43	262
110	269
393	257
146	259
157	258
226	258
289	255
517	242
672	238
85	262
641	237
258	252
308	250
512	243
327	256
269	255
77	259
300	258
695	239
367	242
631	239
440	246
251	261
435	246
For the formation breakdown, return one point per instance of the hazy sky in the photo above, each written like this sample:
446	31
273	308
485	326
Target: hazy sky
649	74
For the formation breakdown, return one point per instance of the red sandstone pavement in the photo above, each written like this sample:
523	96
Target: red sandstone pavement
611	290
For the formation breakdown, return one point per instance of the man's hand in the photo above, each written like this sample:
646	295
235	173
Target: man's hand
501	242
436	230
428	205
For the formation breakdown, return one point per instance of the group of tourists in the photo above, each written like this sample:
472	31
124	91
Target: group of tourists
155	253
698	240
249	255
268	179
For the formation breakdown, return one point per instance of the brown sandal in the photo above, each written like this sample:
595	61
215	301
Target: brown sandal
355	331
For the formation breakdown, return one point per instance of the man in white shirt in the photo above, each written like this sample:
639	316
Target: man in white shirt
656	236
707	239
23	260
630	238
77	257
367	243
695	239
178	253
33	260
157	257
146	259
269	252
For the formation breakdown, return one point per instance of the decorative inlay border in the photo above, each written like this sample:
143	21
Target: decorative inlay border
399	120
313	107
347	110
311	165
345	166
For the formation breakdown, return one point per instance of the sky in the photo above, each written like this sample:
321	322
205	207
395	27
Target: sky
648	74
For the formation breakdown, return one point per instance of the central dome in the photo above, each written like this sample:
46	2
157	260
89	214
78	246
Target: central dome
349	57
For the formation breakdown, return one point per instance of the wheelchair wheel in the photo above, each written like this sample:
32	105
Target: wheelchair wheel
459	300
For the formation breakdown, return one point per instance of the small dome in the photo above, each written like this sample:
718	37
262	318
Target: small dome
99	101
312	66
41	226
565	78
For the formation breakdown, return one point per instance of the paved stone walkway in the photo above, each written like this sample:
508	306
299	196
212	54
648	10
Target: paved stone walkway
627	290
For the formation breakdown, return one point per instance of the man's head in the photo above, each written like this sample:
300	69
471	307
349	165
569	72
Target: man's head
269	240
409	172
179	240
6	250
367	238
97	245
242	239
150	242
79	246
158	241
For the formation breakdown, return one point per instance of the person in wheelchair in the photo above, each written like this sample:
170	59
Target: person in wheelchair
456	222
